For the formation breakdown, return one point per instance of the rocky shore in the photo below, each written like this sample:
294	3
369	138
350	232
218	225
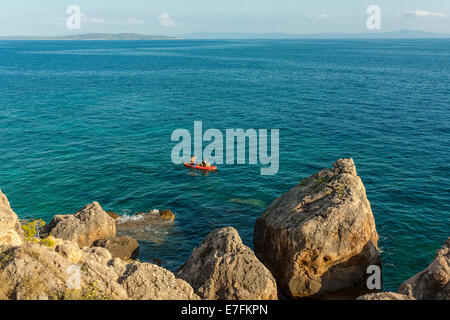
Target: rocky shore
315	241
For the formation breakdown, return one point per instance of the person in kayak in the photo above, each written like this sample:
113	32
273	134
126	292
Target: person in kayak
193	160
205	163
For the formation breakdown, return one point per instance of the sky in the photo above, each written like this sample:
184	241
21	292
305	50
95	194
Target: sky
178	17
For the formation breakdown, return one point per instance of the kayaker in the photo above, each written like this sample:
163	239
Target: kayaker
193	160
205	164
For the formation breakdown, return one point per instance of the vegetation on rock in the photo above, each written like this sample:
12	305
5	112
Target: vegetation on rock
31	233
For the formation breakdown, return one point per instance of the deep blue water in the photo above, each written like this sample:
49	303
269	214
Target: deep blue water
85	121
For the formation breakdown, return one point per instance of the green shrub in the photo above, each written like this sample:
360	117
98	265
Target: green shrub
31	232
91	291
48	242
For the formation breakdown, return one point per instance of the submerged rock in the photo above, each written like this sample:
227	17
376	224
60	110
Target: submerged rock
385	296
320	237
167	215
256	203
433	283
222	267
123	247
146	226
87	225
10	230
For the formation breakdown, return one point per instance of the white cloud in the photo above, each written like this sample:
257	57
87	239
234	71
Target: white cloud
166	20
423	14
84	18
314	18
99	21
134	21
128	22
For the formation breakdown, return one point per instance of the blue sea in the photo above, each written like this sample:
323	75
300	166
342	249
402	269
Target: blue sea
92	121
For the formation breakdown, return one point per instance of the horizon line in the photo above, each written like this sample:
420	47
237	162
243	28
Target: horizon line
226	35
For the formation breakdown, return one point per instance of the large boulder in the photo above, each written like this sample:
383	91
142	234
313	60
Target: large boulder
146	281
433	283
123	247
87	225
113	215
70	250
34	271
319	238
222	267
66	271
10	230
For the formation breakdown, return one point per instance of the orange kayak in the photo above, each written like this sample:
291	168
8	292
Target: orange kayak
199	167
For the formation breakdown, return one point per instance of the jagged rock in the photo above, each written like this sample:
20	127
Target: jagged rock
433	283
320	237
113	215
70	250
222	267
385	296
98	269
10	230
150	282
123	247
167	215
87	225
33	271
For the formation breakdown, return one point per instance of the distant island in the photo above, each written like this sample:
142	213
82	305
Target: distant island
402	34
95	36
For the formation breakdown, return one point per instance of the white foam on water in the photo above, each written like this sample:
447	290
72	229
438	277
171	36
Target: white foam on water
126	218
134	217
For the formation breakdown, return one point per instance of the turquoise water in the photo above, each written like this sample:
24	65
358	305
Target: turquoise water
91	121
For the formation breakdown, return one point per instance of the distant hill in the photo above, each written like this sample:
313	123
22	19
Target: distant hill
95	36
402	34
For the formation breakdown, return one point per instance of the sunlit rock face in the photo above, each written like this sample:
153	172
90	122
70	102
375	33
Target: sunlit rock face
318	238
10	230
